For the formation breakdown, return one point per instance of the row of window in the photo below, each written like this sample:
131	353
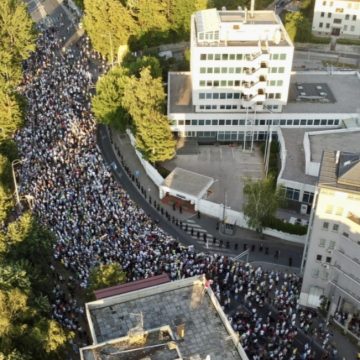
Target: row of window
308	197
329	209
332	243
345	27
236	70
347	16
230	96
249	57
294	194
349	5
228	135
235	83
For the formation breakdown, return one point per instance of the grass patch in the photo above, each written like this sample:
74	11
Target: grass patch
348	41
339	64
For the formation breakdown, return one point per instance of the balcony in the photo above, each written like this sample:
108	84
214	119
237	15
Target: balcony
348	257
338	268
348	293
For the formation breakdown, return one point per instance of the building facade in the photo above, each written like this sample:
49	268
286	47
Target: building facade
337	17
332	253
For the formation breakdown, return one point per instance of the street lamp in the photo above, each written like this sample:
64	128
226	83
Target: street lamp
13	163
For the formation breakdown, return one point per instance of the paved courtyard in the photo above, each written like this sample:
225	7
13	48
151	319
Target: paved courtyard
228	165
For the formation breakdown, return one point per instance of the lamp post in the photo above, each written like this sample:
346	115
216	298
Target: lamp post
13	163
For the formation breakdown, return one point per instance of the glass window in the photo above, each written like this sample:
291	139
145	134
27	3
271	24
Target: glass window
210	56
209	95
347	17
330	122
201	96
273	70
320	25
296	122
216	83
332	245
201	122
339	211
229	95
213	107
309	122
329	209
235	122
308	197
222	107
316	122
237	83
194	122
325	225
215	95
222	95
238	56
281	70
217	70
322	14
228	107
292	194
225	56
223	82
272	83
280	83
275	122
303	122
202	70
336	122
202	56
224	70
236	95
318	257
328	259
209	83
232	57
354	17
282	56
231	70
202	107
214	122
288	122
329	15
275	56
187	122
221	122
181	122
209	70
277	96
234	107
282	122
242	122
202	83
323	121
231	83
335	227
228	122
217	57
322	242
238	70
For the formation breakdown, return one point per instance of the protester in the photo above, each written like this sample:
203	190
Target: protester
96	222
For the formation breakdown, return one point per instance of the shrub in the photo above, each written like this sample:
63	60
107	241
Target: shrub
278	224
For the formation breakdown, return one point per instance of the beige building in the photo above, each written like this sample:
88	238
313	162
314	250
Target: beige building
332	253
337	17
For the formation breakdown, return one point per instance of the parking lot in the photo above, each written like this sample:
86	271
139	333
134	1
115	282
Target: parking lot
228	165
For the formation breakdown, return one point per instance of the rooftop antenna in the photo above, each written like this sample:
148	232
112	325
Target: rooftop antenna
252	8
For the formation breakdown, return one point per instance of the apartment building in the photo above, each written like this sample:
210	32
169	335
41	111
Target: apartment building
332	253
337	17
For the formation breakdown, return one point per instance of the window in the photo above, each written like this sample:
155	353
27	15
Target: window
202	83
209	70
231	82
277	96
187	122
309	122
181	122
352	28
322	242
201	96
275	56
228	122
238	56
324	3
273	70
282	56
303	122
337	21
229	95
329	209
232	57
322	14
237	82
217	57
323	121
222	95
201	122
317	122
308	197
231	70
315	273
236	95
354	17
320	25
223	82
328	259
272	82
335	228
296	122
279	83
281	70
327	26
292	194
325	225
221	122
225	56
216	83
345	27
210	56
214	122
347	17
224	70
235	122
332	245
202	56
329	15
318	257
202	70
216	70
194	122
339	10
208	95
238	70
345	234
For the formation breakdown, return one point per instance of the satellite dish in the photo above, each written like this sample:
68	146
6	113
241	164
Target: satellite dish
277	37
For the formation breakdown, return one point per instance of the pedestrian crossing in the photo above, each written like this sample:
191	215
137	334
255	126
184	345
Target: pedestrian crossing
205	239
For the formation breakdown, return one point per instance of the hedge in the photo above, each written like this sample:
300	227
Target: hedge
278	224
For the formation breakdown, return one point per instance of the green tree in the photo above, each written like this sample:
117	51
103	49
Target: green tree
136	65
106	275
298	26
109	26
107	103
18	36
261	201
154	138
150	15
143	95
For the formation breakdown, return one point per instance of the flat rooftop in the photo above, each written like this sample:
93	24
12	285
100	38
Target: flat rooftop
207	331
188	182
295	156
180	93
260	17
345	90
346	141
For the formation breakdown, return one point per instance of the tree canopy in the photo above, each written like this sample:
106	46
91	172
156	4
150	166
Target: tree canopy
106	275
261	201
298	26
109	26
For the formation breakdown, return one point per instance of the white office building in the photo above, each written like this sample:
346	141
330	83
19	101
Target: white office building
337	17
241	87
332	253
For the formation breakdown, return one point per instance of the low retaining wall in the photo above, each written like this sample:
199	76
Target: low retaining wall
212	209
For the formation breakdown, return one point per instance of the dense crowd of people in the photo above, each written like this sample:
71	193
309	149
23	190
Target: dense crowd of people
95	221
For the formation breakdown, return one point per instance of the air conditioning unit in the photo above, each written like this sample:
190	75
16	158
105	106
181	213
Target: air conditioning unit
326	266
304	209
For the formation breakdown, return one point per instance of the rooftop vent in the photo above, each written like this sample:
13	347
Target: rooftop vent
319	87
300	87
